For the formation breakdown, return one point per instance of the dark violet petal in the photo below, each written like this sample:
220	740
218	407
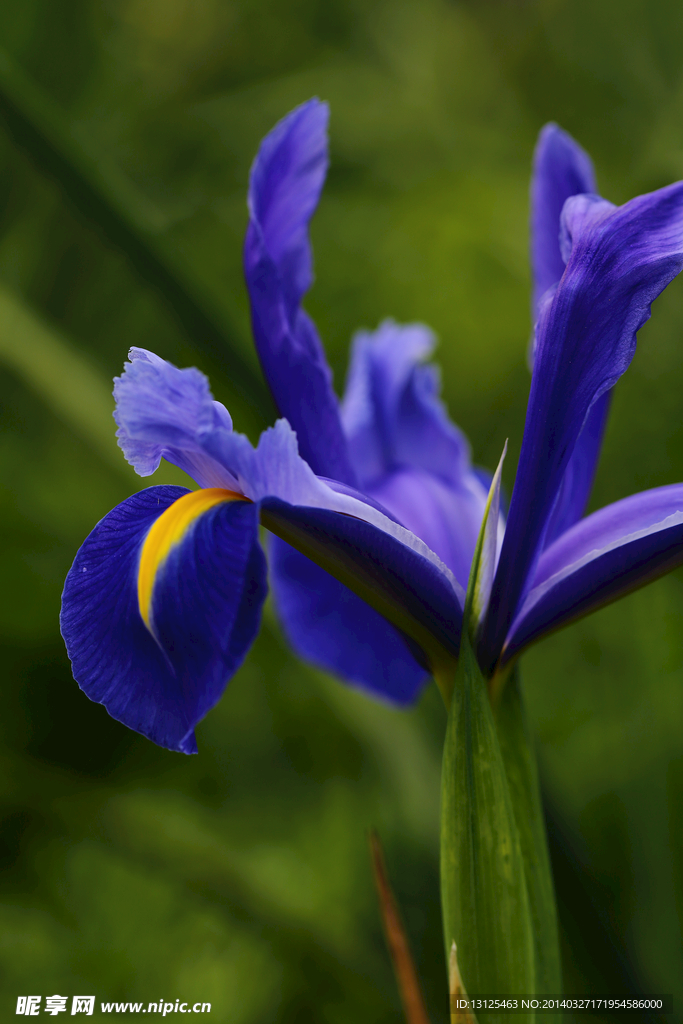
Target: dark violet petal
330	626
407	588
392	414
206	605
561	169
611	552
285	185
621	259
578	477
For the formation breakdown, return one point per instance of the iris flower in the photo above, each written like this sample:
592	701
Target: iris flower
372	503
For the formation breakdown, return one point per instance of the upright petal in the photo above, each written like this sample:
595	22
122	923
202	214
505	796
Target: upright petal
202	608
407	453
577	481
447	517
391	411
620	260
285	185
606	555
561	169
327	624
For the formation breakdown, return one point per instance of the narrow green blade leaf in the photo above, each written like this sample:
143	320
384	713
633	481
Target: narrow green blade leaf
486	910
522	776
483	886
484	558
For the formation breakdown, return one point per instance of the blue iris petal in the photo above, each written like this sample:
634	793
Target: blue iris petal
603	557
620	259
285	185
330	626
206	605
561	169
407	453
408	588
164	412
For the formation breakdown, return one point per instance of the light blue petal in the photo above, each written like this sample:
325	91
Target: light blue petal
164	412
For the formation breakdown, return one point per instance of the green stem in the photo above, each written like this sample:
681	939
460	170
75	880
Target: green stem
486	907
522	777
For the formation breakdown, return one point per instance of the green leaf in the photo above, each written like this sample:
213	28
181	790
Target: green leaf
484	558
484	896
486	907
522	776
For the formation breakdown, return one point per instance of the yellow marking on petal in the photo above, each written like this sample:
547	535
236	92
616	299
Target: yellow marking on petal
168	530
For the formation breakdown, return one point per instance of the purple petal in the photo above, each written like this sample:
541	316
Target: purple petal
611	552
561	169
405	587
621	259
275	470
164	412
206	602
285	185
407	453
446	517
160	406
577	481
327	624
392	414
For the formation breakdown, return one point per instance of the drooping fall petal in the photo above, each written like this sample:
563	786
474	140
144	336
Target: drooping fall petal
157	640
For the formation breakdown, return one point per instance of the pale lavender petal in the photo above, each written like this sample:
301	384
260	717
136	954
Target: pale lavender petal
164	412
391	411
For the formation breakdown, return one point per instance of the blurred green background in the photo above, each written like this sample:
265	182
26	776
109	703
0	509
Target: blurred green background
241	877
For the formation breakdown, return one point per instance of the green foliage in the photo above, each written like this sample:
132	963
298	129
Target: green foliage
486	905
242	874
518	757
